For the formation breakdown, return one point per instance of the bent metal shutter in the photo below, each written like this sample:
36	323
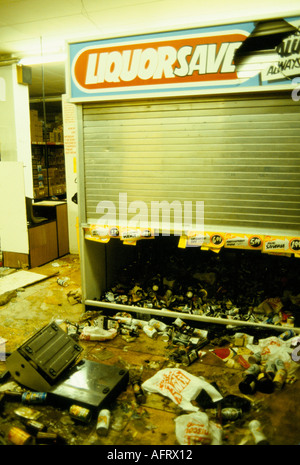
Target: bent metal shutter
240	155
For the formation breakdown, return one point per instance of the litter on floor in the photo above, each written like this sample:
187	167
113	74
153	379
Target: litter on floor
171	381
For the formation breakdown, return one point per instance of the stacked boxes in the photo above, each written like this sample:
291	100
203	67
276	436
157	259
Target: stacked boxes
36	127
40	181
56	171
56	135
51	181
54	132
39	171
48	161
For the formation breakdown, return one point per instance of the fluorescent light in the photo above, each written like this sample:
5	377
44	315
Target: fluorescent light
43	59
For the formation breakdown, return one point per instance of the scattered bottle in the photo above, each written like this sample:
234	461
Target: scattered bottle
34	427
46	438
158	325
79	413
181	339
248	384
156	283
270	369
139	393
33	397
280	375
202	333
286	335
232	363
264	383
190	292
225	414
254	358
231	414
179	323
103	421
189	357
150	331
167	335
63	281
256	430
279	364
290	320
19	437
129	332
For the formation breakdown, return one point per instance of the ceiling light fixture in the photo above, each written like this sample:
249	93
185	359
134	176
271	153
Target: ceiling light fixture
43	59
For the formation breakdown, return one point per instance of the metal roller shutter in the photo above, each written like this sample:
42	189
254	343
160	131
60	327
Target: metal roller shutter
239	154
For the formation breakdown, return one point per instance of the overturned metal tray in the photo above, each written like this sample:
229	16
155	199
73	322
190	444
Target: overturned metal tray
43	358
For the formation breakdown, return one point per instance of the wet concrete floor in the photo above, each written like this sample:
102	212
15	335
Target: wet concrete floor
149	423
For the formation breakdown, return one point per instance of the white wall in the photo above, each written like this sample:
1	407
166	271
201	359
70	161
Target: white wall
13	221
15	165
23	138
7	117
15	141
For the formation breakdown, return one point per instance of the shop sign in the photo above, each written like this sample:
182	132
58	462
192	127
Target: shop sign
282	244
154	64
279	245
213	240
176	62
244	241
183	62
287	64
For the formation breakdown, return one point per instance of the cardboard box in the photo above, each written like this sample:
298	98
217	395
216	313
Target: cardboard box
51	137
34	115
36	127
52	173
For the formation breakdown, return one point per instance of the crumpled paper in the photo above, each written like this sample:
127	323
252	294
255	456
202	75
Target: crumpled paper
273	348
196	429
180	386
93	333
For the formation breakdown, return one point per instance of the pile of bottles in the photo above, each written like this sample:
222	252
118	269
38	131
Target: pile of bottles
183	342
267	379
246	287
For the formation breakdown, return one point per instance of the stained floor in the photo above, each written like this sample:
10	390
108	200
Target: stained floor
149	423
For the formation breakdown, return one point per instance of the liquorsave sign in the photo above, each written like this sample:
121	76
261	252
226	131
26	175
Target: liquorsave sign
163	64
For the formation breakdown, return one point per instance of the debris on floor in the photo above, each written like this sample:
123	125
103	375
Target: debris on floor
11	283
228	370
181	387
63	281
241	287
206	415
74	296
5	271
196	428
7	297
20	279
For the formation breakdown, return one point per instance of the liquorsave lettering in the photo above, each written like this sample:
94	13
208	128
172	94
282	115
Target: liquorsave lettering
184	60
